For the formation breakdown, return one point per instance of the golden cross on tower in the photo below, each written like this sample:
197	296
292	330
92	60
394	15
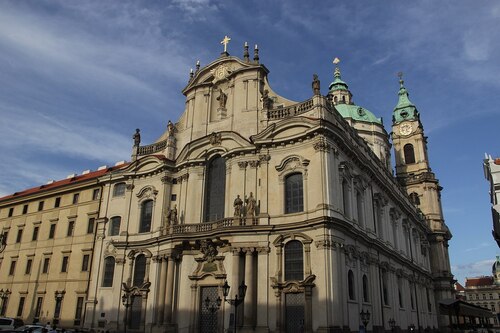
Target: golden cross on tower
336	61
225	41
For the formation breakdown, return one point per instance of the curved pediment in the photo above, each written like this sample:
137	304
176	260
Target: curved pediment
222	69
287	129
221	143
145	165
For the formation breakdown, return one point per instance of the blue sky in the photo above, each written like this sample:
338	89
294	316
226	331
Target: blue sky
77	78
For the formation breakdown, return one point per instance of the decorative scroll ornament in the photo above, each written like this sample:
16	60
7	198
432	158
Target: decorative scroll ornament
209	250
3	242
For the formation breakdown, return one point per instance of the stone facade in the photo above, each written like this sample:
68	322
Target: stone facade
285	197
492	174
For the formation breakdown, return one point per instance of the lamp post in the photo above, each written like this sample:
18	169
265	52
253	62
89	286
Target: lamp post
237	300
4	295
212	306
127	300
365	317
392	324
412	328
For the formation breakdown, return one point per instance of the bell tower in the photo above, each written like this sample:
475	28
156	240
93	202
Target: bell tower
414	173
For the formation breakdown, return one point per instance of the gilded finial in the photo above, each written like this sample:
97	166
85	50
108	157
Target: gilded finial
400	75
256	54
246	56
336	73
191	73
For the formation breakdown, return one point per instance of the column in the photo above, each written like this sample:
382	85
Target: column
249	281
169	293
162	284
235	280
262	287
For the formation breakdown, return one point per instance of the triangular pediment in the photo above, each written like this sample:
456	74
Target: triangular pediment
144	165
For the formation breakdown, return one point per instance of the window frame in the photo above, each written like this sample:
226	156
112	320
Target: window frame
108	272
294	202
119	189
146	221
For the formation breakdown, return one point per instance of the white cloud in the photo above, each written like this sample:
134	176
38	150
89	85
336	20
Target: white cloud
477	268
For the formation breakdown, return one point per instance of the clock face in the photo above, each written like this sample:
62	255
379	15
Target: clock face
405	129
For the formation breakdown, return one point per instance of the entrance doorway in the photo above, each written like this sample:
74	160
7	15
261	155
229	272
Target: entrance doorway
294	312
208	315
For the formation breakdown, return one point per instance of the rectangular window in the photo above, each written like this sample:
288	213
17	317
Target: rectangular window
29	263
20	307
25	209
38	309
40	206
57	203
90	227
173	197
46	263
79	311
5	235
19	236
11	211
52	231
5	301
71	227
35	233
64	266
95	194
85	262
12	269
76	196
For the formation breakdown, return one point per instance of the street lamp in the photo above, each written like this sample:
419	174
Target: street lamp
412	328
365	317
392	324
4	296
127	300
242	290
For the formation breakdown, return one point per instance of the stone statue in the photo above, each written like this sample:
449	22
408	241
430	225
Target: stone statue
137	138
172	216
238	205
222	99
266	100
170	128
209	250
316	85
251	203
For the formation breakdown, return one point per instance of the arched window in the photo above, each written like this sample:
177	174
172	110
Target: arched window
215	189
146	216
139	270
114	226
294	193
109	272
366	299
345	198
119	190
350	285
415	199
359	206
294	261
409	153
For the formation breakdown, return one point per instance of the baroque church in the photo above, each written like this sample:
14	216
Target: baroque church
250	213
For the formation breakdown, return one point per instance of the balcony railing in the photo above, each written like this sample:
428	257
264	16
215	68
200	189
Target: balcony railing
153	148
210	226
292	110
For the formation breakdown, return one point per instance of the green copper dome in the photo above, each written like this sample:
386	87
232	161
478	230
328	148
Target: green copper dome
405	109
337	83
357	113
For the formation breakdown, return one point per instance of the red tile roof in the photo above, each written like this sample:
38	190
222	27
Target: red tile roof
459	287
59	183
479	281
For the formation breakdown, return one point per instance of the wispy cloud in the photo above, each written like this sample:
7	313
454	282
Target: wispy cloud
478	247
478	268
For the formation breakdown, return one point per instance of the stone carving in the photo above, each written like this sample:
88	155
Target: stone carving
242	164
222	98
170	129
137	138
220	73
172	216
215	138
251	203
253	164
266	100
238	205
209	250
321	145
316	85
3	242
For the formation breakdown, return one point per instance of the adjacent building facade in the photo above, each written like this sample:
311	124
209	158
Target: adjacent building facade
296	201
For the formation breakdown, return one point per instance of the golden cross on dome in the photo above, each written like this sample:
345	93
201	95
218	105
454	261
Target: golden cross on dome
336	61
225	41
400	75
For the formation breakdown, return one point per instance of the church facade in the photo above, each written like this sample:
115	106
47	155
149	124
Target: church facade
258	213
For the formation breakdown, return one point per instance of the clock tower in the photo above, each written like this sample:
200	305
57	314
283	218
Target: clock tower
415	175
